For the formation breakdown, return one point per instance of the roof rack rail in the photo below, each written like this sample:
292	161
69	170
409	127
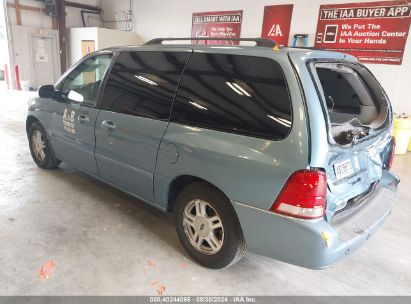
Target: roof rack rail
263	42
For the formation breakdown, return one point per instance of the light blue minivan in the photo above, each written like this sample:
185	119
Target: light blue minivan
284	151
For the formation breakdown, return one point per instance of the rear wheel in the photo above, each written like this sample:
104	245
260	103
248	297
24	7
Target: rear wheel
39	147
208	227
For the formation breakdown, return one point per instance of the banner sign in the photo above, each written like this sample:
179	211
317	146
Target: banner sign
225	24
374	32
277	22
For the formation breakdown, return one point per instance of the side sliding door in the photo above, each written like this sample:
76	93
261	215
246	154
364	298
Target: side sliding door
134	115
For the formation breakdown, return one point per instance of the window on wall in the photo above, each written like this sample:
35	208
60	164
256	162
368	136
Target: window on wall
239	94
144	83
85	80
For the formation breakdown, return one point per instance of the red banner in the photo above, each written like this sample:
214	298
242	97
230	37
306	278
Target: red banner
276	23
374	32
217	25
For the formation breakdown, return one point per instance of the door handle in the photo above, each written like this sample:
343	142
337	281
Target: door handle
107	124
83	119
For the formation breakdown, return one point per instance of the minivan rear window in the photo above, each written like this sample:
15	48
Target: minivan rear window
355	101
239	94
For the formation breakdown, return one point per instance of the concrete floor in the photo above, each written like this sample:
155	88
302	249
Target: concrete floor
107	243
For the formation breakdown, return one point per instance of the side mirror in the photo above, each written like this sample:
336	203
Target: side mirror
47	91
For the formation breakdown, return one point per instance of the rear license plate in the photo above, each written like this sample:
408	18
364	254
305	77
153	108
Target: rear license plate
343	169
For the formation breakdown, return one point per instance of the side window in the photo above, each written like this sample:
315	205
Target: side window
83	82
143	83
239	94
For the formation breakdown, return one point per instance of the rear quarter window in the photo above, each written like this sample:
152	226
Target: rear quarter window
238	94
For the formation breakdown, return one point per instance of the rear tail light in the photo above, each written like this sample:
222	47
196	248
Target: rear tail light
303	195
393	142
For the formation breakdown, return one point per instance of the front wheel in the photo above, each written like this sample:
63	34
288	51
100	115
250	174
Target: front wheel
39	147
208	227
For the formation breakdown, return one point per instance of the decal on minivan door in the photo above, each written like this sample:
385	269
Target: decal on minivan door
68	121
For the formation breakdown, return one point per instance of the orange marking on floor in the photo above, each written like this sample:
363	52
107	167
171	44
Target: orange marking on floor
151	263
47	270
161	290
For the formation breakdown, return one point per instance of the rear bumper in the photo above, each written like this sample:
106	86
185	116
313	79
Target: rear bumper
317	244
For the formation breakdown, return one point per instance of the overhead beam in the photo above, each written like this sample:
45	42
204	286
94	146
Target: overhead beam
18	7
25	7
18	12
61	19
54	23
83	6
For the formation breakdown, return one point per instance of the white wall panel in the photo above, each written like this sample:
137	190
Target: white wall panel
172	18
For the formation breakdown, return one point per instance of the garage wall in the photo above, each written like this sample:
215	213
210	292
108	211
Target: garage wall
113	14
4	55
29	18
103	38
108	38
38	23
41	20
172	18
23	51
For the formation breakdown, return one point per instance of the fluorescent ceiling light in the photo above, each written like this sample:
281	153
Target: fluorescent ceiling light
241	89
281	121
198	105
234	88
146	80
238	89
287	122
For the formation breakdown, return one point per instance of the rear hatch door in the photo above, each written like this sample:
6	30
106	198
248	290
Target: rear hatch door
357	113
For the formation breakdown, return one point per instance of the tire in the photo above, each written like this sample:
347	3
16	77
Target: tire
45	160
220	247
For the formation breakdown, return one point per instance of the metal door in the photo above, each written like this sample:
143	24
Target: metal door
44	69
